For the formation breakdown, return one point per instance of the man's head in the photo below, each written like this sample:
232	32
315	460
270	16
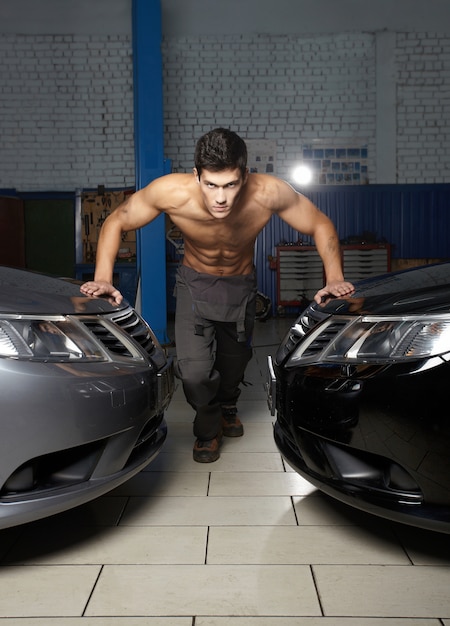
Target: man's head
220	149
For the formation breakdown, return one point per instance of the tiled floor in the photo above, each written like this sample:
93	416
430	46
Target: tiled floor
241	542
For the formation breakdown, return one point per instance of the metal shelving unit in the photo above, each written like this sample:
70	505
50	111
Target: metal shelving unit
300	272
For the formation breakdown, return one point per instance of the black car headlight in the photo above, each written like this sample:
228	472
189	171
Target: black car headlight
372	339
47	338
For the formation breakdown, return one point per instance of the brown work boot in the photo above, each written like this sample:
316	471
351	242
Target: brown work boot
231	424
206	451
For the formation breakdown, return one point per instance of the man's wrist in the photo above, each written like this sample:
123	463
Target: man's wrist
100	279
334	279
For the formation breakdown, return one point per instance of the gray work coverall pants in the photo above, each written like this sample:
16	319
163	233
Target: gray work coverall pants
214	323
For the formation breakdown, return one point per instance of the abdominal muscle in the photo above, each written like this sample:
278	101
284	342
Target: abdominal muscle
222	247
217	262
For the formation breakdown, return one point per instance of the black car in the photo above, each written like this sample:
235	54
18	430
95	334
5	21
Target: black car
361	387
83	385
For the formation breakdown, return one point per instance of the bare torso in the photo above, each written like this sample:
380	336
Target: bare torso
220	246
219	221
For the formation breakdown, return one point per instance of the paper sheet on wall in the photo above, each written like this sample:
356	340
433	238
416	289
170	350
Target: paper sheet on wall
261	155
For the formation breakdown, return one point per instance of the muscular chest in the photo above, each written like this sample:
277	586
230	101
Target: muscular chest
223	237
219	234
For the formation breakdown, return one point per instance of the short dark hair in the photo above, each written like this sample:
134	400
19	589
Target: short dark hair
220	149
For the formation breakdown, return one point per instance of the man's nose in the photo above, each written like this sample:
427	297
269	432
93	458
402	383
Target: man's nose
221	196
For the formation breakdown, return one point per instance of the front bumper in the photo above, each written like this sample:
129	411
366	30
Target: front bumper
72	435
379	444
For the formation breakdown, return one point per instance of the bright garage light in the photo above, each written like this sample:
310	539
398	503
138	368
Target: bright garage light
302	175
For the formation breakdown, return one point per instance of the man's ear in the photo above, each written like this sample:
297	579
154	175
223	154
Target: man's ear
194	170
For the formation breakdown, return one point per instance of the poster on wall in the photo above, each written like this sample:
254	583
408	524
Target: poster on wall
261	155
336	165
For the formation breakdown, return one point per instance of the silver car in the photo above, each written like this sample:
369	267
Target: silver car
84	385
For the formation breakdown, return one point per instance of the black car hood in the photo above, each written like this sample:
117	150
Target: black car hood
417	290
30	293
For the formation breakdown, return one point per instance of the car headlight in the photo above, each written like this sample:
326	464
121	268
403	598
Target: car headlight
371	339
47	338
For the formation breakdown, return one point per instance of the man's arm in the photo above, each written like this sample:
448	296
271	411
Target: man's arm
107	249
135	212
305	217
327	243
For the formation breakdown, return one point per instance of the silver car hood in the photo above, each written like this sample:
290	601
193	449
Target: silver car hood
30	293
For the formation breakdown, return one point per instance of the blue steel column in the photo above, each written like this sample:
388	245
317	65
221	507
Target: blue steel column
149	155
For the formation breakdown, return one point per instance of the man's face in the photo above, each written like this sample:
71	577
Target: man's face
220	190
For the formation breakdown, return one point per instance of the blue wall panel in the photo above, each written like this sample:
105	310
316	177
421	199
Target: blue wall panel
414	219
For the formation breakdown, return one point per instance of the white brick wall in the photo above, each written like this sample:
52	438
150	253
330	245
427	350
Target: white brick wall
289	89
298	89
423	108
66	102
66	112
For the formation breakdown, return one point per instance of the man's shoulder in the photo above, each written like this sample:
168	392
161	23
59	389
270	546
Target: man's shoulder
267	189
170	190
174	180
265	181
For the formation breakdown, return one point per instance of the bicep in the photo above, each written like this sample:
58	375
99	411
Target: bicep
299	212
137	211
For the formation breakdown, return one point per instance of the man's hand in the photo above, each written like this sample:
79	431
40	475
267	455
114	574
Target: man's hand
337	288
102	288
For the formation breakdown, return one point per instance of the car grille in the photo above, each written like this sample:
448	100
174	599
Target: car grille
324	337
129	322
